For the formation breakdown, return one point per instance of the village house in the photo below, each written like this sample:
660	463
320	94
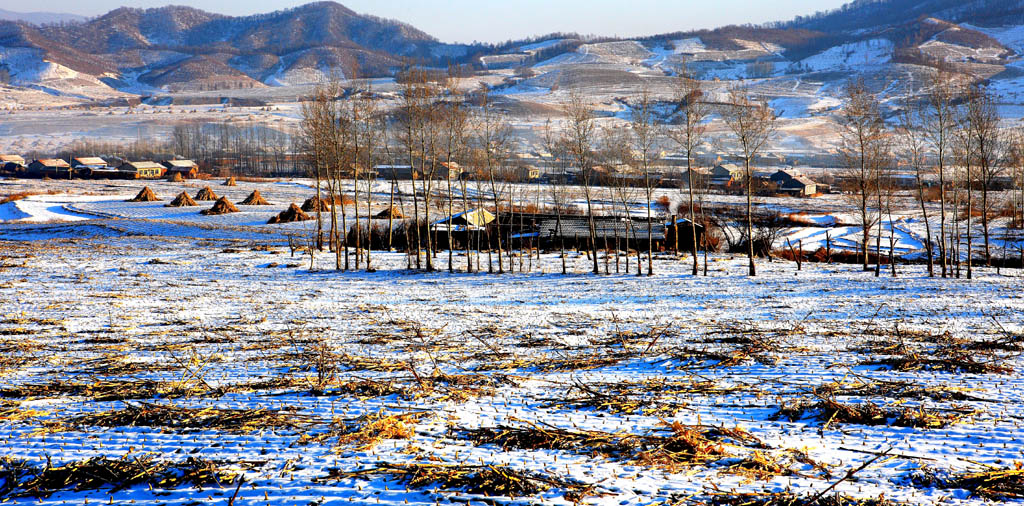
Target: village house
397	172
782	176
88	162
50	167
800	186
187	168
726	175
141	170
93	168
11	163
792	182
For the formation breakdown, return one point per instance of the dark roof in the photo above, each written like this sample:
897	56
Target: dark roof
577	227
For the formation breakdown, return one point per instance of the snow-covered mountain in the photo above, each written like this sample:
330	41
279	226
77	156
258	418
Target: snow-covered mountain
185	48
40	18
181	48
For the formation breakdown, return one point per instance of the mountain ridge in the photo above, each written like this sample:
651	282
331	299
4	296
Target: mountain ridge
176	48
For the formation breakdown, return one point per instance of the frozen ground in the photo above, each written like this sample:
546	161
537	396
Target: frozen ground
268	369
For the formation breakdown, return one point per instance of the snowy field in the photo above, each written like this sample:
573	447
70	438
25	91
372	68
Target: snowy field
166	360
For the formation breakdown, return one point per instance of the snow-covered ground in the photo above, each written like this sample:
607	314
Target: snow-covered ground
237	323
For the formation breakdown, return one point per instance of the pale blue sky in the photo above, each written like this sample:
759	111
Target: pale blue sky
496	21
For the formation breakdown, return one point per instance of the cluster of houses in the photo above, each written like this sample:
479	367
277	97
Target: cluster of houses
731	178
90	167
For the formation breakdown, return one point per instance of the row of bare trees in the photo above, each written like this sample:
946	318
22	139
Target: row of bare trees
443	133
458	147
954	133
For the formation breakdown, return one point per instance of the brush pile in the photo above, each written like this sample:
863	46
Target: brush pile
391	212
222	206
188	419
182	200
290	215
254	199
103	390
230	182
175	177
648	397
368	431
487	480
790	499
21	479
206	194
830	411
952	359
145	195
996	484
311	204
682	446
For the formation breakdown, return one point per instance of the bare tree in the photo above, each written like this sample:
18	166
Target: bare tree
967	150
493	137
455	122
939	121
316	142
752	123
862	136
689	135
555	147
988	144
646	132
580	136
913	148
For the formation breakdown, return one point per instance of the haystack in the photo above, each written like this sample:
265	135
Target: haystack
230	181
391	212
312	203
182	200
254	199
146	195
175	177
206	194
293	213
222	206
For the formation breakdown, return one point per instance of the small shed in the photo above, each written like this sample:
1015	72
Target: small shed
141	170
187	168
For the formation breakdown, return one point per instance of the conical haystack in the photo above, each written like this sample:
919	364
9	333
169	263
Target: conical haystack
146	195
182	200
312	203
391	212
206	194
254	199
293	213
230	181
175	177
222	206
